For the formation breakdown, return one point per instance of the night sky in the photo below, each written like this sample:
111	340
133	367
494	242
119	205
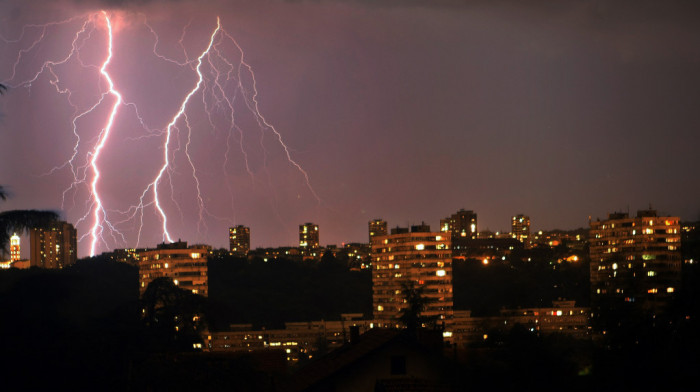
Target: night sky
397	110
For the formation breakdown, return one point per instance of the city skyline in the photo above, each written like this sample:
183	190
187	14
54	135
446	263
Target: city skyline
405	113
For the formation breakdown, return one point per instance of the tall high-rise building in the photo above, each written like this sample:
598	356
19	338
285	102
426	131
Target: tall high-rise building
376	227
635	261
420	257
14	248
520	229
239	240
308	240
186	266
54	246
462	224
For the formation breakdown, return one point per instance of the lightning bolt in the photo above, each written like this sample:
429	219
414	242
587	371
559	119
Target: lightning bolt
220	82
99	214
169	130
254	106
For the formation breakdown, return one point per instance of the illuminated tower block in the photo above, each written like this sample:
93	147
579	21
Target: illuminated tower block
239	240
418	256
635	261
308	240
53	247
520	229
186	266
376	227
14	248
462	224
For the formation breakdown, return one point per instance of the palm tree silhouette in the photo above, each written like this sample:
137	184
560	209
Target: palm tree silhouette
21	221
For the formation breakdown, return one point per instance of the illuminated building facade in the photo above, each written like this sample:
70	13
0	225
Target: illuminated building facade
295	338
186	266
418	256
14	248
308	240
128	255
635	260
377	227
520	229
269	254
462	224
239	240
564	317
358	255
53	247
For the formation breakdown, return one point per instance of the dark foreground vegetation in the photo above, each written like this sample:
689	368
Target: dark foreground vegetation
84	327
485	289
270	293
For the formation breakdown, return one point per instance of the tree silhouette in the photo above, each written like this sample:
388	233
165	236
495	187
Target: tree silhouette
172	316
411	316
21	221
2	88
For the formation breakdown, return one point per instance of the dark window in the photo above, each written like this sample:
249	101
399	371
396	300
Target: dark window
398	364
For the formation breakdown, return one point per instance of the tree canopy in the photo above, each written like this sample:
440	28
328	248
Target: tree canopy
411	316
21	221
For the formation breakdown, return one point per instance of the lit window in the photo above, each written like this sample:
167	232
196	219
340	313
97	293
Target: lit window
440	273
380	308
670	290
420	247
